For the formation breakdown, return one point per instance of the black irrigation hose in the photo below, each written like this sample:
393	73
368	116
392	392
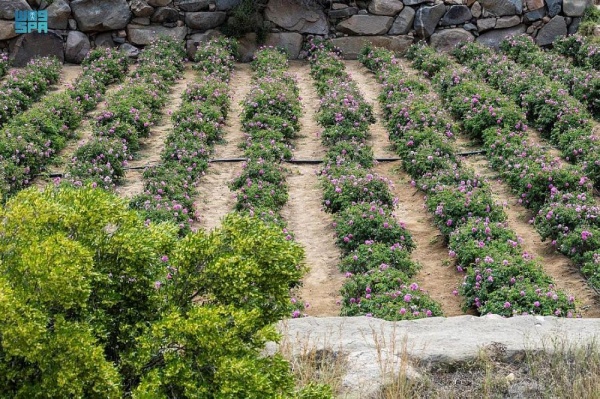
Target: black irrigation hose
292	161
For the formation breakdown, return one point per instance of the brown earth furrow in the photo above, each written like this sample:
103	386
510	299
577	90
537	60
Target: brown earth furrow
151	147
240	84
558	266
214	199
437	275
68	74
370	89
312	228
307	145
82	135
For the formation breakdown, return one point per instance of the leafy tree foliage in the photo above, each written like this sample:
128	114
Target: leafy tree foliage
96	303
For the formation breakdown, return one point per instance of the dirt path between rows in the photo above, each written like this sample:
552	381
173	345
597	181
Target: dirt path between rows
370	89
68	74
437	275
313	229
239	85
558	266
82	134
152	146
307	144
214	199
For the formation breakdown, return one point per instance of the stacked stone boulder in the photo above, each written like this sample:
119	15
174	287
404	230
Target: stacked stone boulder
75	26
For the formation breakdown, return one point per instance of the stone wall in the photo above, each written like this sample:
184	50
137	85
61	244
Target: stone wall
78	25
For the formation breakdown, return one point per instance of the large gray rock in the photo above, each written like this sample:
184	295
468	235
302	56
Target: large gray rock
369	345
225	5
78	45
385	7
59	13
192	5
534	4
554	7
204	20
485	24
556	28
7	30
26	47
247	47
100	15
158	3
508	22
403	22
415	2
574	8
129	50
290	41
193	41
456	15
518	6
8	7
427	18
367	25
165	14
144	35
499	7
342	12
296	17
534	15
351	45
141	9
476	9
574	25
494	37
446	39
104	39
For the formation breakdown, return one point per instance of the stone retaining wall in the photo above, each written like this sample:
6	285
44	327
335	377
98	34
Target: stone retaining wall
78	25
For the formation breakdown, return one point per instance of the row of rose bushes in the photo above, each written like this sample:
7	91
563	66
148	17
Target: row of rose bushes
22	87
547	103
582	50
566	211
500	277
129	116
582	83
561	197
375	246
270	119
29	142
169	187
3	64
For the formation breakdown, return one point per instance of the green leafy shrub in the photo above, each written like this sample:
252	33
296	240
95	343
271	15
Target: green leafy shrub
96	303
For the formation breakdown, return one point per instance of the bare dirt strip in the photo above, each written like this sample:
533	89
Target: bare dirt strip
370	89
308	144
437	275
239	86
152	146
214	199
68	74
313	229
558	266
